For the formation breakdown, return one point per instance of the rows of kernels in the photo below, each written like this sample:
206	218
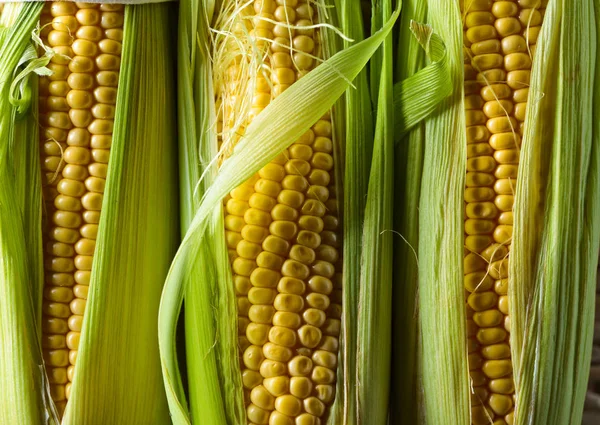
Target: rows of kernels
77	106
281	232
497	68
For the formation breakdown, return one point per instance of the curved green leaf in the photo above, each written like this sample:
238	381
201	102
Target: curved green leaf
419	95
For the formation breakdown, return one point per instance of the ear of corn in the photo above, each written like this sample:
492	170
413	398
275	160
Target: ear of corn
441	299
531	277
547	284
282	224
267	135
22	386
106	111
500	39
555	238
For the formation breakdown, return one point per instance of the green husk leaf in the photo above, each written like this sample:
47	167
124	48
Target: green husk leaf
405	401
376	66
441	296
21	91
375	296
25	149
268	135
28	187
118	377
416	96
358	148
23	391
557	227
197	147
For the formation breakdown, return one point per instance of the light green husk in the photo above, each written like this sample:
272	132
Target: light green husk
358	147
375	281
286	118
553	260
408	167
118	377
424	90
417	96
23	392
28	186
212	385
441	296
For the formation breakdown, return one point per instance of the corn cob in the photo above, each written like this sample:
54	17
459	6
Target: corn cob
500	39
77	105
281	230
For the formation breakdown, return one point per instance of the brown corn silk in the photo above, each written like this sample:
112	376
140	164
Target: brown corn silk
281	225
77	109
499	44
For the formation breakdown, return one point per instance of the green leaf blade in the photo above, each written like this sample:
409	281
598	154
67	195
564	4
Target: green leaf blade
118	377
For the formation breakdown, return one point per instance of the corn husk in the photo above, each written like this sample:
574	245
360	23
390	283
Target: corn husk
28	186
375	280
417	96
197	146
443	357
23	391
407	181
269	134
557	225
357	152
117	376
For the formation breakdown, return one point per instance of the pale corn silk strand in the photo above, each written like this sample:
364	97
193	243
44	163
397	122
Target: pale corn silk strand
281	225
499	42
77	108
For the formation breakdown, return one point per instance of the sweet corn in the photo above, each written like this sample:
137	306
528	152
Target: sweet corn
500	39
77	109
282	232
